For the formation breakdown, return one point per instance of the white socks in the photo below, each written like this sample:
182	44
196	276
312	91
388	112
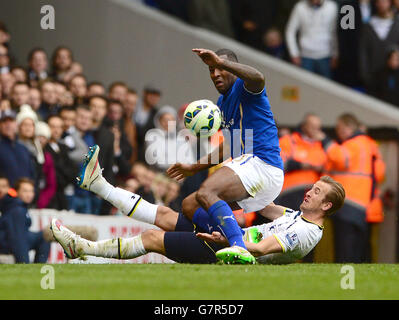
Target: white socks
130	204
113	248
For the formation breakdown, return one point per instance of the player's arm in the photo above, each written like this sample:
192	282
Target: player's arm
266	246
272	211
179	171
254	80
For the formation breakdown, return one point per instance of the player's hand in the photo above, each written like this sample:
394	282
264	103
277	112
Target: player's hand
209	57
214	237
179	171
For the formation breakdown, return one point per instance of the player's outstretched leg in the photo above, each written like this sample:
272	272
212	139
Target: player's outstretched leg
77	247
130	204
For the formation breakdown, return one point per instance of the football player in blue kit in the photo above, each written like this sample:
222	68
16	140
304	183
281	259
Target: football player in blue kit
254	177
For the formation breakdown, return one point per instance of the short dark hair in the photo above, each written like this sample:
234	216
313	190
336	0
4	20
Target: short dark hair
66	108
22	180
231	56
33	51
350	120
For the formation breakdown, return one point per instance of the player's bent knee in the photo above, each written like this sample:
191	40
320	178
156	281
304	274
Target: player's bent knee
153	240
205	197
190	205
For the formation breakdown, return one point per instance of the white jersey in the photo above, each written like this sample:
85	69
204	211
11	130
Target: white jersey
296	235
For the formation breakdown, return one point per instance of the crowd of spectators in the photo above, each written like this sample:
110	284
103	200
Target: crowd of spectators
359	53
50	115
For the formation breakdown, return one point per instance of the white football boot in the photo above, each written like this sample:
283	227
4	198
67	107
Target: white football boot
66	238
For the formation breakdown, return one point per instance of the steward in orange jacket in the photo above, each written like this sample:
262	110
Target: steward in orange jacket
357	164
304	159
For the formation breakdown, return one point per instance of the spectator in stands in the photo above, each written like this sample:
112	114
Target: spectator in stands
145	177
129	124
144	116
64	66
95	88
7	82
4	60
316	49
20	74
163	146
15	160
4	34
387	87
251	18
273	44
48	185
172	199
78	87
65	169
68	116
38	67
378	35
355	162
5	105
35	99
19	95
49	105
15	237
122	148
160	188
117	91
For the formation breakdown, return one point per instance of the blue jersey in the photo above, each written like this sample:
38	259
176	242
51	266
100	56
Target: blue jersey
248	119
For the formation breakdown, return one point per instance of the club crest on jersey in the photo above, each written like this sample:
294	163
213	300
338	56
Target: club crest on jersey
292	239
224	124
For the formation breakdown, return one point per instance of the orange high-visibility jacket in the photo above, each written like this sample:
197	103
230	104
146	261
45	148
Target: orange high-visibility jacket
357	164
295	147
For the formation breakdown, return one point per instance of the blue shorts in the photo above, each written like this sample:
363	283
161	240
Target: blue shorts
183	246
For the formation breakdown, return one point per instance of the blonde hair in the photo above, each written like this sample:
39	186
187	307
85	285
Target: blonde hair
336	195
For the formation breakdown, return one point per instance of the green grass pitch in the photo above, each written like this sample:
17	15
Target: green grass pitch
199	282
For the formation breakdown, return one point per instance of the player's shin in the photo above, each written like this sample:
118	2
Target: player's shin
222	216
118	248
130	204
202	220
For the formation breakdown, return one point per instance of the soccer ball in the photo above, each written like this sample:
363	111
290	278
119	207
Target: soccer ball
202	118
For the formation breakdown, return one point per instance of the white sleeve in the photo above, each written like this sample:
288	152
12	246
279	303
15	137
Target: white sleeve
291	32
288	240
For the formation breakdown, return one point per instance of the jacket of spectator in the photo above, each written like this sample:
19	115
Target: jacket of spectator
317	30
15	237
15	160
373	51
65	171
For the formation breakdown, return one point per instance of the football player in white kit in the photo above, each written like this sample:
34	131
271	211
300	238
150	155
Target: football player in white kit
292	234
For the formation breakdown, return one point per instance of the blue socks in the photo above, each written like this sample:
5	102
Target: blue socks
222	216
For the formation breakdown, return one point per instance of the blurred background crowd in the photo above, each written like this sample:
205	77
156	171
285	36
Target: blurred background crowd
51	113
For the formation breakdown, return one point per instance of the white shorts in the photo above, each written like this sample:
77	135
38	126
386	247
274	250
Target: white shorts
262	181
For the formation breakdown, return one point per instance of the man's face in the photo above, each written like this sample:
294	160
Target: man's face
20	94
56	127
95	90
4	59
383	6
130	102
222	79
118	93
49	93
8	128
4	186
35	98
78	87
39	61
69	118
99	108
312	126
26	192
115	112
152	99
343	131
84	119
63	59
314	198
